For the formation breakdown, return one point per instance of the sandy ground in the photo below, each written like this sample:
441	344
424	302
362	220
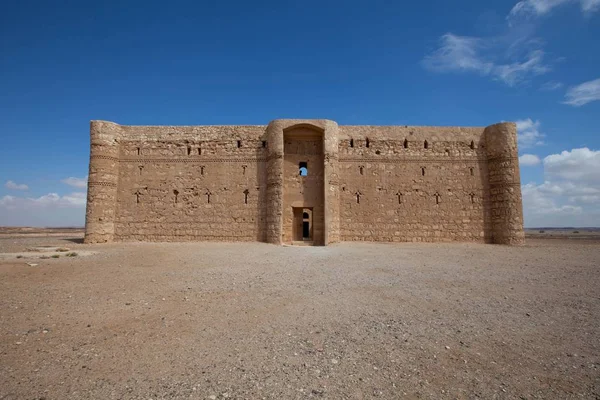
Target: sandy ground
356	321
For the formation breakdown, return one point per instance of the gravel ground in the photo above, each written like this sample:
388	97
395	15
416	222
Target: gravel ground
356	321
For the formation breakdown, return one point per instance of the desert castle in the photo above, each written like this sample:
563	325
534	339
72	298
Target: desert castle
304	181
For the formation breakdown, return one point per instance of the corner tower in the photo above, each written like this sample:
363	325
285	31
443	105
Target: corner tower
506	203
102	182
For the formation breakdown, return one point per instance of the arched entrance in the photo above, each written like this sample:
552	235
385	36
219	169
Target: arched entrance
303	185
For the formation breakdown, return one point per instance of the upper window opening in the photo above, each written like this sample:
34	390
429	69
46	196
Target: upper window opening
305	215
189	150
367	142
264	144
472	144
351	142
426	145
239	144
303	168
138	151
405	144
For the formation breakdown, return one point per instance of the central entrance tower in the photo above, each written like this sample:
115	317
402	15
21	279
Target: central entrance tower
303	183
302	174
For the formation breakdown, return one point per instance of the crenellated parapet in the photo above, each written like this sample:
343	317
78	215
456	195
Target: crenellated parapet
505	201
102	182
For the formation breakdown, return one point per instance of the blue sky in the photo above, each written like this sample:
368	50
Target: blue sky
356	62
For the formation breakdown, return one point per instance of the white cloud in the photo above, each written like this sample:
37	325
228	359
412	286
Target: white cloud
528	160
584	93
466	54
458	53
537	200
513	56
575	165
535	8
529	134
551	85
48	210
511	74
79	183
16	186
76	199
570	195
590	5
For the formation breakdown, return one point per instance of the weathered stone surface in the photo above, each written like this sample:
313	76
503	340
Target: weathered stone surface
364	183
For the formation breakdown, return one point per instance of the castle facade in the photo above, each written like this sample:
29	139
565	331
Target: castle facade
304	182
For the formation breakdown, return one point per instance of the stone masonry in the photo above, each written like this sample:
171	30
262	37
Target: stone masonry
304	181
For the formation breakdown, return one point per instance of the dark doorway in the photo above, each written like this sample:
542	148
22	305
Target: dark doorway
306	224
303	230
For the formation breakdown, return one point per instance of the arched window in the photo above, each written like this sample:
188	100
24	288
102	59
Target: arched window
303	168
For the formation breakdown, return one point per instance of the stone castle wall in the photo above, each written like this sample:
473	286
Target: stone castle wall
241	183
414	184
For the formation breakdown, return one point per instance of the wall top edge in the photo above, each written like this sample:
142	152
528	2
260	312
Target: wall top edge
308	121
175	127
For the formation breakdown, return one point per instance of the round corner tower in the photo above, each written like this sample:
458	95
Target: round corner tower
275	181
102	182
506	203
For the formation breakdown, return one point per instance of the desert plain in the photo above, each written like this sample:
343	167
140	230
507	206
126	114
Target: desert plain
258	321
